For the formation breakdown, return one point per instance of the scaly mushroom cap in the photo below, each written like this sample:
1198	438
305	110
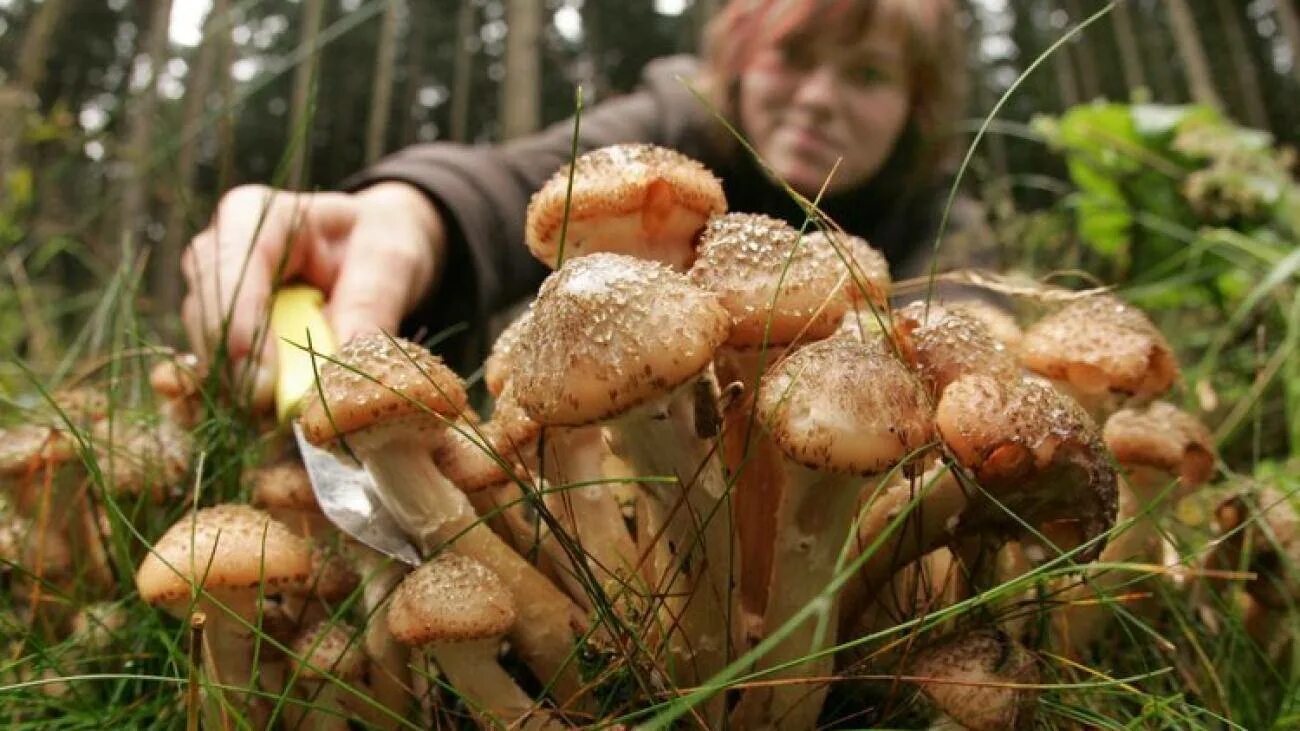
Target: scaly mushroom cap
227	547
332	577
869	279
944	344
23	544
140	458
283	486
379	378
1163	438
1000	323
26	448
1101	344
329	647
635	199
94	625
499	363
743	257
840	405
471	456
177	377
451	598
971	679
81	406
610	332
1035	450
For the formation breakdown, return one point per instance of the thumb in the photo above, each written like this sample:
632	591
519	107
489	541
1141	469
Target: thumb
385	268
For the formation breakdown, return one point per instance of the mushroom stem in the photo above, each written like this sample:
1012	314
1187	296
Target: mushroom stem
574	466
472	669
667	437
228	651
812	525
390	678
435	512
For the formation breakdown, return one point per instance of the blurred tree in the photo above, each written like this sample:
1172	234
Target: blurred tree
140	155
461	71
304	79
1130	54
521	85
381	101
1237	57
1199	77
35	51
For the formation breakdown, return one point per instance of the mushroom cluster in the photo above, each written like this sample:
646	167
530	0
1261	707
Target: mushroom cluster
718	448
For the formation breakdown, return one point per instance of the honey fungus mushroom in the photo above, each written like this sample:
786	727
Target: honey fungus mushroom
982	680
222	561
628	342
636	199
840	411
457	610
1101	350
393	400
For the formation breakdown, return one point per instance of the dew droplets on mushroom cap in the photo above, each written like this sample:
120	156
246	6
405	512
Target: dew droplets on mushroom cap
451	598
842	405
972	678
1101	343
745	257
1162	436
945	344
374	378
330	647
610	331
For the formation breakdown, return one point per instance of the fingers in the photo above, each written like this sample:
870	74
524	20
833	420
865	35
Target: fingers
386	268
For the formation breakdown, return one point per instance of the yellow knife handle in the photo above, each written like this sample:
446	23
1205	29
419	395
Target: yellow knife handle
298	318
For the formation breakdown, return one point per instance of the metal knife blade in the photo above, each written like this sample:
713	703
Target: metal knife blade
346	494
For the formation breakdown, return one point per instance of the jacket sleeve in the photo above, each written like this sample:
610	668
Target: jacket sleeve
482	193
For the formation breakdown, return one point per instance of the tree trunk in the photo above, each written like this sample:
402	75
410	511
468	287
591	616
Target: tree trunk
1081	49
226	89
1289	19
35	49
1253	109
1130	54
417	38
1199	79
462	78
303	81
167	259
143	112
381	101
521	88
1067	83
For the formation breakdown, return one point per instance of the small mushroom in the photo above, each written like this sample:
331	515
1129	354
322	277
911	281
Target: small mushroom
221	561
840	411
392	400
284	490
628	342
176	381
635	199
29	556
1259	531
457	610
1102	351
983	680
331	668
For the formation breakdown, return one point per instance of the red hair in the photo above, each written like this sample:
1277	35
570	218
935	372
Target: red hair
933	47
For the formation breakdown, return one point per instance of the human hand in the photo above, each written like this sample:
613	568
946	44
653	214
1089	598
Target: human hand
374	253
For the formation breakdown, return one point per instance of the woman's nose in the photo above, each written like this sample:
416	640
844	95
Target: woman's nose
817	88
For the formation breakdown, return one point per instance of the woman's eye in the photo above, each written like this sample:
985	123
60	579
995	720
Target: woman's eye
868	75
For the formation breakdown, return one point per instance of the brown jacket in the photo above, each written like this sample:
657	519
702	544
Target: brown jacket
483	192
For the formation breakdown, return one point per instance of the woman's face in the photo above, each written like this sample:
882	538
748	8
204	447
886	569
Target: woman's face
804	107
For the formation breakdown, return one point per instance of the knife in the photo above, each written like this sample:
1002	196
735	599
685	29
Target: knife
343	487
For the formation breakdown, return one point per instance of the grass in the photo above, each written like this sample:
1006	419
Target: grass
1191	664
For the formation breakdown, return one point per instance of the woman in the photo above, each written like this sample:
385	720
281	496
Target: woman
433	236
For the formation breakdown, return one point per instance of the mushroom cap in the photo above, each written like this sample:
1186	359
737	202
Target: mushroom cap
26	448
22	544
1274	538
81	405
376	378
1098	344
330	647
971	678
610	332
333	578
176	377
840	405
1001	324
1163	437
944	344
636	199
283	485
1035	450
472	456
500	361
140	458
94	625
869	280
227	548
745	257
451	598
